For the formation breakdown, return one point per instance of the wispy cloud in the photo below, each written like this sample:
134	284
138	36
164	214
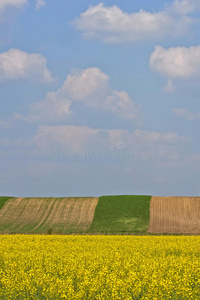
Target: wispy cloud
184	7
160	146
5	124
8	3
40	4
186	114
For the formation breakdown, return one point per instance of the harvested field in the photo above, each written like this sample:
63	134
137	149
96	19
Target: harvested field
3	201
175	215
73	213
37	215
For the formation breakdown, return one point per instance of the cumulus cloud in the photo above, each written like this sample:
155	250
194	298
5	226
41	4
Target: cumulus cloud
179	62
16	64
186	114
176	63
83	84
40	4
112	25
90	87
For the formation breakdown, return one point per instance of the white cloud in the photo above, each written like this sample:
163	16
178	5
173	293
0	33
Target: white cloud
83	84
8	3
54	107
91	87
4	4
167	146
40	4
80	142
179	62
112	25
185	7
184	113
176	63
75	138
16	64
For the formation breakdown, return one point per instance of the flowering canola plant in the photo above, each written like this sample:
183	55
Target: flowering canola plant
99	267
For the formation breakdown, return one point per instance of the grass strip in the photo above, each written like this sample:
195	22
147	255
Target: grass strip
121	214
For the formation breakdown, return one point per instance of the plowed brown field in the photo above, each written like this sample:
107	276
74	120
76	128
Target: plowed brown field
175	215
37	215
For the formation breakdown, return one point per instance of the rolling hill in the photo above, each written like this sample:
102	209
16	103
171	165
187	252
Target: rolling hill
124	214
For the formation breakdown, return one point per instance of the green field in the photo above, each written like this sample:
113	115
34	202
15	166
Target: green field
121	214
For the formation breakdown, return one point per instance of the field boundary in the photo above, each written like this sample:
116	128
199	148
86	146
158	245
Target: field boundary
3	200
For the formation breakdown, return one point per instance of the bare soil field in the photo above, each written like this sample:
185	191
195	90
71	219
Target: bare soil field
179	215
36	215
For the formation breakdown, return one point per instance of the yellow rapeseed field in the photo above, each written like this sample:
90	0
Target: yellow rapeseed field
99	267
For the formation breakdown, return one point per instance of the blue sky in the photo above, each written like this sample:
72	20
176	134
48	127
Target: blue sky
99	97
